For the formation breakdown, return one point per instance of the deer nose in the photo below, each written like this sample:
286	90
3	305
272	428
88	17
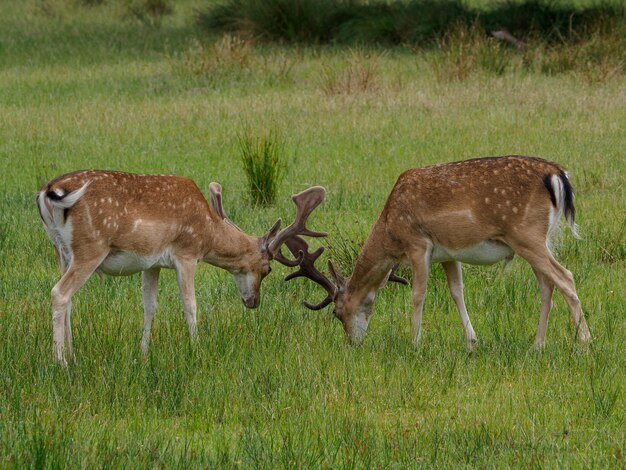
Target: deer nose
251	302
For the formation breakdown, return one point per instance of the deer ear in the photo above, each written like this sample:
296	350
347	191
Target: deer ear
216	199
270	235
339	279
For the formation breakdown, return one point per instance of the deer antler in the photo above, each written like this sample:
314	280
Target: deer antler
393	277
306	201
300	249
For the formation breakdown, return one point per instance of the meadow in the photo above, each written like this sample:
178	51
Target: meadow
87	87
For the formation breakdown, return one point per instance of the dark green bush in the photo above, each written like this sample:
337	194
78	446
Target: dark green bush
414	22
552	20
148	12
311	21
394	23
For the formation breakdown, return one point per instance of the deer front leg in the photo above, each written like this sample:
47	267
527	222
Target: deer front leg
185	271
149	281
454	276
420	265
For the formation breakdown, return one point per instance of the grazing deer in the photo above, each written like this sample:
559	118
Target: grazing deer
121	223
475	211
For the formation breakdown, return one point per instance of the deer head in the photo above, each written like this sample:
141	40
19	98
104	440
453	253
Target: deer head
354	315
253	268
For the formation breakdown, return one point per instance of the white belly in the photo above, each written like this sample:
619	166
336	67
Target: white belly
122	263
487	252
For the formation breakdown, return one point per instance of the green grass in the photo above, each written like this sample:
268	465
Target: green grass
263	163
278	386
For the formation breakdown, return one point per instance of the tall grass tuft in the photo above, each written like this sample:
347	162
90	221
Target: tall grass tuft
148	12
345	251
358	74
229	57
465	49
264	165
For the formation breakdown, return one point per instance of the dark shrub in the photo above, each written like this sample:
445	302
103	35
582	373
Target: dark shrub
551	20
414	22
313	21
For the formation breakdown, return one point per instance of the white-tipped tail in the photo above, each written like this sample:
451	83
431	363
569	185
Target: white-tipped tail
564	198
66	201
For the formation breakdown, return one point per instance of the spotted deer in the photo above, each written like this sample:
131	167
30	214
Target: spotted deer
122	223
476	211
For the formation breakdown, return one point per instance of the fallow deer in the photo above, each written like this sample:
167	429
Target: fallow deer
476	211
122	223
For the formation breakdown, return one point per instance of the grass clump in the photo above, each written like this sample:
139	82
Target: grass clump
358	74
229	56
597	59
264	166
148	12
466	49
234	59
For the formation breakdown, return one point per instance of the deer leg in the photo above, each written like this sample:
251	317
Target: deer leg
63	265
74	277
454	276
542	261
185	272
149	281
420	265
547	288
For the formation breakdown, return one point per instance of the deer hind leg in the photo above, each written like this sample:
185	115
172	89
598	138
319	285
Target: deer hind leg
420	265
77	272
63	265
542	261
149	281
454	276
547	288
185	272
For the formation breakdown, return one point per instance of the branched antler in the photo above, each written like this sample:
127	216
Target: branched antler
306	202
300	248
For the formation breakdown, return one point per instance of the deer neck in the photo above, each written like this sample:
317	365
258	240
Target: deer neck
372	266
229	247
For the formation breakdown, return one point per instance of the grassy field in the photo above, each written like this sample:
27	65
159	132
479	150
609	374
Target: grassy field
279	387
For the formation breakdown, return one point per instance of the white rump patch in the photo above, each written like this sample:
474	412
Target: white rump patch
58	228
59	231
